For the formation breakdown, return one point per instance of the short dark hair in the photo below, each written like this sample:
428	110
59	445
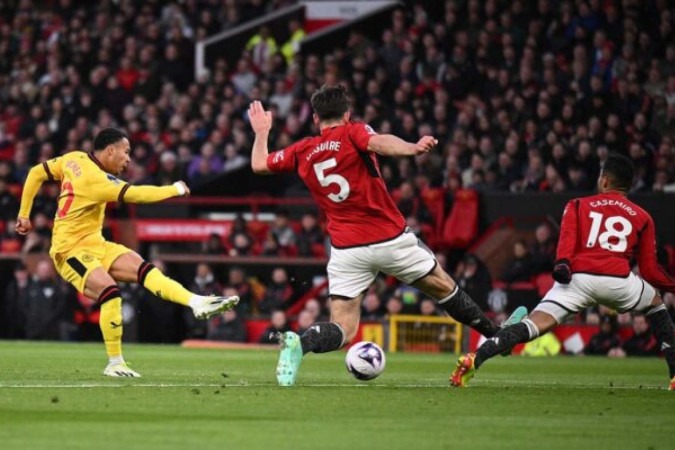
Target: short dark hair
106	137
330	102
620	170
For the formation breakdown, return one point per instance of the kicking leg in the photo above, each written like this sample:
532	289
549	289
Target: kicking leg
101	286
455	301
322	337
131	268
664	330
538	323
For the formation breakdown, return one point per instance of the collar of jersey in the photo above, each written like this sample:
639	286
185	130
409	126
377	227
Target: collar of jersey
96	161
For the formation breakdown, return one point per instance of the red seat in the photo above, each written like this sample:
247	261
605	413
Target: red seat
461	226
543	282
434	200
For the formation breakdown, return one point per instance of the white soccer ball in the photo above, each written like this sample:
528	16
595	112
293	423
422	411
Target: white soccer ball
365	360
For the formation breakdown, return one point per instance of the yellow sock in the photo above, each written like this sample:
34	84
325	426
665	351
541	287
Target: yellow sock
110	322
162	286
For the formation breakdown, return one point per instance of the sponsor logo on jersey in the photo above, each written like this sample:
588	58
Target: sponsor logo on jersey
370	130
113	179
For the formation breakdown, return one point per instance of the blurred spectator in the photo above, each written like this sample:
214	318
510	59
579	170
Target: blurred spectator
278	293
305	320
371	307
394	305
291	47
241	234
411	204
213	245
606	339
227	327
262	47
278	324
15	301
204	283
9	204
310	237
47	308
314	308
233	159
543	249
474	278
282	230
642	343
237	280
520	268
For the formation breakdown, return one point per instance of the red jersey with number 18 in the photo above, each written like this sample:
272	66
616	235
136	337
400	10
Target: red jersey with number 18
344	179
600	235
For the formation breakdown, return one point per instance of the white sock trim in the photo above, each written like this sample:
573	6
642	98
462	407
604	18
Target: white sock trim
114	360
344	335
452	294
656	309
531	328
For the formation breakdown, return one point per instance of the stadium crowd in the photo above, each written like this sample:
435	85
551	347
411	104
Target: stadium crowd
523	96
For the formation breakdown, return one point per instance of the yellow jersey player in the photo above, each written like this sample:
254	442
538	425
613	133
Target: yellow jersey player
80	253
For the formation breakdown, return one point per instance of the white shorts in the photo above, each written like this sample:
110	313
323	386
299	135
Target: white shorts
622	294
352	270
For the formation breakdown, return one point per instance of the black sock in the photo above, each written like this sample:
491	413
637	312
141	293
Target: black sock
664	331
322	337
463	309
504	340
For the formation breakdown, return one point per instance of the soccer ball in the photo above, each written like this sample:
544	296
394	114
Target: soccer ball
365	360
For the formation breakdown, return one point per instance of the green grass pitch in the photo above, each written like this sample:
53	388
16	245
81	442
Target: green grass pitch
53	396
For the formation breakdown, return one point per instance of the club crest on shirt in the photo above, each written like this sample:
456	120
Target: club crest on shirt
87	258
278	156
113	179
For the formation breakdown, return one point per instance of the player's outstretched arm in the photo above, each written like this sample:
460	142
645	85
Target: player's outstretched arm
37	175
390	145
562	273
649	266
152	194
261	122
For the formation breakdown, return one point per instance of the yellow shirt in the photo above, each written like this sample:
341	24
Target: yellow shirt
85	190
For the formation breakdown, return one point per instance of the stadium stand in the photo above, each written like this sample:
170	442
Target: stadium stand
525	97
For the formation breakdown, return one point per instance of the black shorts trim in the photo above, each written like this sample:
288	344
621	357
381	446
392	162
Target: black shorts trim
77	266
604	274
120	198
558	304
370	243
49	172
642	291
426	274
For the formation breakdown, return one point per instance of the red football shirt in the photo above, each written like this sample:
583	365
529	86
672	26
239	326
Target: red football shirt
344	179
600	234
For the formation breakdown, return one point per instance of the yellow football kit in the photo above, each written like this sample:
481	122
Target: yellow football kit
78	246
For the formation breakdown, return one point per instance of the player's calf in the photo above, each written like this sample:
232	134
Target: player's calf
460	306
323	337
664	330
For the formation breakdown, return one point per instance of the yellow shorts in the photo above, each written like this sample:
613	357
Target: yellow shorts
76	266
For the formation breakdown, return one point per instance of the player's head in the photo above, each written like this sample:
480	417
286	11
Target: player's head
112	150
330	104
616	174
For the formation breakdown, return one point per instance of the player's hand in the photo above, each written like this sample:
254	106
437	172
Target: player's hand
183	189
23	225
562	272
261	120
425	144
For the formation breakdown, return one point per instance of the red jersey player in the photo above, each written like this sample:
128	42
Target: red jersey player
599	237
368	233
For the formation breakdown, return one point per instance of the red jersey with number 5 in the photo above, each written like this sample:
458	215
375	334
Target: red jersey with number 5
600	235
344	179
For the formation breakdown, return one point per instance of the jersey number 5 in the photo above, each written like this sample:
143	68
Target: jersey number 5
327	180
617	229
69	194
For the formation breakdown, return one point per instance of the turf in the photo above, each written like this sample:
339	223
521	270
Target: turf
52	396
